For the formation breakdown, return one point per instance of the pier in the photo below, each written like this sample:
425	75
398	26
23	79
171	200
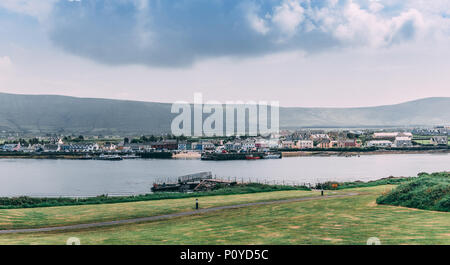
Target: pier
202	181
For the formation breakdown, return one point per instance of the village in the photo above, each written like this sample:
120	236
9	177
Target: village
194	147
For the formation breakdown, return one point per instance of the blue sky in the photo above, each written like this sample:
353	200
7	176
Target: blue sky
300	52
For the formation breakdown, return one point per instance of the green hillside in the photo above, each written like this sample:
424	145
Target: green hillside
428	192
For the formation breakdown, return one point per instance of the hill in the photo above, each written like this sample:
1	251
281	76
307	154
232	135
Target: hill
427	111
428	192
63	114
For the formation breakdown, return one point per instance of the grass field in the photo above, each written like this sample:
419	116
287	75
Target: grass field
425	140
67	215
350	220
422	141
36	202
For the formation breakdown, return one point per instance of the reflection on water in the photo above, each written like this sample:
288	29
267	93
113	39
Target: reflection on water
93	177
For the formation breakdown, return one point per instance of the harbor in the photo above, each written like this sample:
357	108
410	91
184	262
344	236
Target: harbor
70	177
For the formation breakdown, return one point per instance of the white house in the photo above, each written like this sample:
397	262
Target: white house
233	145
208	146
402	141
248	144
379	143
274	143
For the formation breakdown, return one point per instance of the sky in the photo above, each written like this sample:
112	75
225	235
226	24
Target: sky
304	53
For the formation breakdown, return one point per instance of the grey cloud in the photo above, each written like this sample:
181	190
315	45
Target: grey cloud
179	33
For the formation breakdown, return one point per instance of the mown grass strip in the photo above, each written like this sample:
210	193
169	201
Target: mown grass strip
30	202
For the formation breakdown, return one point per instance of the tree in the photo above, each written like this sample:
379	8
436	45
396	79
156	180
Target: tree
33	141
352	136
182	138
126	140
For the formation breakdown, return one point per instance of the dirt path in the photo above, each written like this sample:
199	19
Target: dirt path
166	216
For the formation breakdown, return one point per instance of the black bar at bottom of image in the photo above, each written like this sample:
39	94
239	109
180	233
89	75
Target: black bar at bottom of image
253	254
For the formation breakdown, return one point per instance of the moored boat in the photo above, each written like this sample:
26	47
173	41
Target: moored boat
130	157
272	156
252	157
109	157
85	157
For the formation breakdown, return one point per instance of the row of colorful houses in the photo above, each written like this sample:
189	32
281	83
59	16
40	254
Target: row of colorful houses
320	140
50	148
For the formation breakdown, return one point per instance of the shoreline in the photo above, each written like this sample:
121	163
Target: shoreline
345	154
24	201
284	154
337	153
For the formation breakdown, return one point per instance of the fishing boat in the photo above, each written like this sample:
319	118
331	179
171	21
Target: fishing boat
130	157
272	156
85	157
252	157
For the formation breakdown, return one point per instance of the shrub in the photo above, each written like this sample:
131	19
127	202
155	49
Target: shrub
359	184
427	191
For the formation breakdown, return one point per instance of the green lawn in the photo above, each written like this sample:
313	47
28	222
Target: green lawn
67	215
350	220
422	141
425	140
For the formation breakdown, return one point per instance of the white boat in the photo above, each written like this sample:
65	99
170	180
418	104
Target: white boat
130	157
272	156
109	157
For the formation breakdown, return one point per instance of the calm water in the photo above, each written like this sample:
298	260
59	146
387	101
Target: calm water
93	177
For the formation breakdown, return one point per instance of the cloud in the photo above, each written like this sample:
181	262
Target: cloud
5	68
5	62
288	15
375	6
179	33
35	8
256	23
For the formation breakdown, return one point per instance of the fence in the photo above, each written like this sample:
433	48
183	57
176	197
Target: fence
246	180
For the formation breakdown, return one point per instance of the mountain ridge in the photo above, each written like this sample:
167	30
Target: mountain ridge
67	114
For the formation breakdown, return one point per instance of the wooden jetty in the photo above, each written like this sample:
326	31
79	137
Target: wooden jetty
202	181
